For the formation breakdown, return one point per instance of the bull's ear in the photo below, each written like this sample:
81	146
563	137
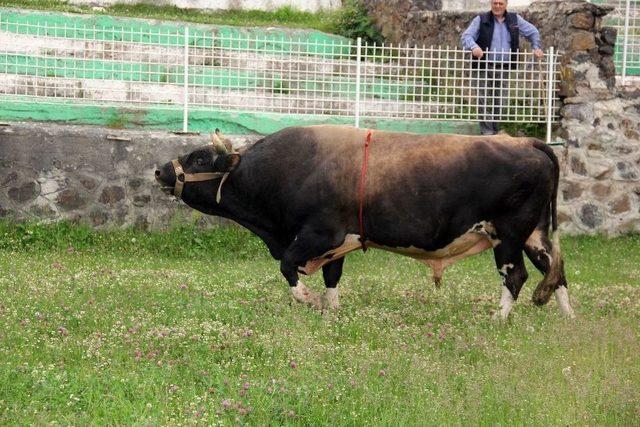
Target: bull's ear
227	162
232	161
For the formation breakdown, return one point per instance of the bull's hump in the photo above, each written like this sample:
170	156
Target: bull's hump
387	141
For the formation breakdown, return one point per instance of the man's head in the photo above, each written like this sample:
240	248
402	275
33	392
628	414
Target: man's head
498	7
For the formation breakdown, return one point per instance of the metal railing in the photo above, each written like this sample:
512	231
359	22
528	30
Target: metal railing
626	19
192	69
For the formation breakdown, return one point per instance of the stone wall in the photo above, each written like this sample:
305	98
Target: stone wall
599	122
96	176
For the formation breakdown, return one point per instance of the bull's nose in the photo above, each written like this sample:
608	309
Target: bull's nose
157	174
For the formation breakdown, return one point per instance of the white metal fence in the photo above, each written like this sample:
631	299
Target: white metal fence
626	19
196	69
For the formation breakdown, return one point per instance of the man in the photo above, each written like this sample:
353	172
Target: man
493	38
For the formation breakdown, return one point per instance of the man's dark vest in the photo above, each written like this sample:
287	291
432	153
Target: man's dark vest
486	34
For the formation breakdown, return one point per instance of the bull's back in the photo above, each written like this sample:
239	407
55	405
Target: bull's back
422	180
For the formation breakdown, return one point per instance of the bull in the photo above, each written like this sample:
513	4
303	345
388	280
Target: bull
314	194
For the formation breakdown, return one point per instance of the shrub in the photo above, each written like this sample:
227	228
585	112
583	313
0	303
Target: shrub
353	21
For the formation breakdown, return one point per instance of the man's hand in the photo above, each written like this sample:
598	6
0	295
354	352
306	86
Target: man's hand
478	53
537	53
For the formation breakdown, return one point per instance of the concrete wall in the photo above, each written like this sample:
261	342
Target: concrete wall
91	175
269	5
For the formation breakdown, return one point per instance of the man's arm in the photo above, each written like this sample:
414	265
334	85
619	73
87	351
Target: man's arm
469	37
532	34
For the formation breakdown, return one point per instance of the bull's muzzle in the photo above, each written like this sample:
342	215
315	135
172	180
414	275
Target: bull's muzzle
166	176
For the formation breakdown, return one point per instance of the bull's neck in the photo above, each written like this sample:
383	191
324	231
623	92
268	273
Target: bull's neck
241	202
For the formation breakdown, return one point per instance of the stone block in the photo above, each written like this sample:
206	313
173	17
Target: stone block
578	166
43	211
582	41
595	147
609	35
141	200
620	205
582	20
627	171
601	191
112	195
141	223
600	169
582	112
24	193
88	183
571	190
11	177
607	67
135	183
99	217
606	50
70	199
49	186
591	215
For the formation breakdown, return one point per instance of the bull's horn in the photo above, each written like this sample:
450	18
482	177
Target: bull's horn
218	145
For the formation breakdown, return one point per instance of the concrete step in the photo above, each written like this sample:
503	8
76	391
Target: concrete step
114	92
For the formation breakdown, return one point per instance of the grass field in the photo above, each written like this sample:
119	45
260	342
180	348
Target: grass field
283	17
192	327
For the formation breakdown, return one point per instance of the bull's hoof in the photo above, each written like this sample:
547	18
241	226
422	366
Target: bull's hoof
542	294
330	300
499	317
562	297
304	295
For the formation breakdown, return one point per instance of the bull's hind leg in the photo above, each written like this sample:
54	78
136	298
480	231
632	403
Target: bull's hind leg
547	259
510	264
331	273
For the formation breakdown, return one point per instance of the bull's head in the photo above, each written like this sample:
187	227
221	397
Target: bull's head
195	176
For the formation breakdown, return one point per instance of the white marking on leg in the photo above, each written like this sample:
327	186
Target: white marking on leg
305	295
506	302
330	299
535	241
562	298
504	272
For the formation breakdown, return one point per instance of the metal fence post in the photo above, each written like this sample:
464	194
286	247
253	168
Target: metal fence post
185	106
550	86
358	59
625	45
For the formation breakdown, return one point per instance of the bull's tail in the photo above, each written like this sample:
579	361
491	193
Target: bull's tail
554	277
556	179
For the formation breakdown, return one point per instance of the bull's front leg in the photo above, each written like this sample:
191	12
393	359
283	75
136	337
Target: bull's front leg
299	291
331	274
305	246
511	267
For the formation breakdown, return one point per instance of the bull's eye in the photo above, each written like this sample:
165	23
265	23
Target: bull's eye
200	161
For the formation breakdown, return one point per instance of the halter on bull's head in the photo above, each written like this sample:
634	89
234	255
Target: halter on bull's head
209	163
